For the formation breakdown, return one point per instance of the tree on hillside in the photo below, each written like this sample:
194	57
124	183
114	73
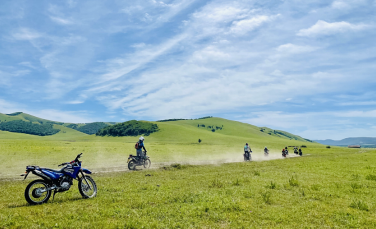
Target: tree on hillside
19	126
130	128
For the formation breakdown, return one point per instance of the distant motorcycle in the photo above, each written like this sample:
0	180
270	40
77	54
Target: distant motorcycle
39	191
284	154
134	161
266	153
247	156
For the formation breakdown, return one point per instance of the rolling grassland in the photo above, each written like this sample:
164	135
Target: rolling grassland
192	185
333	188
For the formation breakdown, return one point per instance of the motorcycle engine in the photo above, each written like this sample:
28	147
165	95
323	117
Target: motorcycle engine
65	183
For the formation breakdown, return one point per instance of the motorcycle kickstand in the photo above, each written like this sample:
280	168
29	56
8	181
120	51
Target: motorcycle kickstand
53	197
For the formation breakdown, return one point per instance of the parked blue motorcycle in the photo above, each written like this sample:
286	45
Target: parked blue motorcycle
39	191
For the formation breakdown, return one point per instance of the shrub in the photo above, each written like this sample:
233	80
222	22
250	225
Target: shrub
303	146
328	147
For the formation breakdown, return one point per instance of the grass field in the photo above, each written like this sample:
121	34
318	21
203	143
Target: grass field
324	188
332	188
175	142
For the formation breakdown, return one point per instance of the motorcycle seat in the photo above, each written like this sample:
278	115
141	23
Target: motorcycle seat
53	170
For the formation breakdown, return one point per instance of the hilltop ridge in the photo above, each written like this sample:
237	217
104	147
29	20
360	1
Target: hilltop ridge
183	129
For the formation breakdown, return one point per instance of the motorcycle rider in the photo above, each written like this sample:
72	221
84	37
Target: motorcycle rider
283	153
266	151
247	151
141	146
300	152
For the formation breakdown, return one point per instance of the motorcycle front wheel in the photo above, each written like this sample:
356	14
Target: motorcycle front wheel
147	163
37	192
132	165
89	189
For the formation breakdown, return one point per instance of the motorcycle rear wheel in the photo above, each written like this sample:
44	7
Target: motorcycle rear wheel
35	192
132	165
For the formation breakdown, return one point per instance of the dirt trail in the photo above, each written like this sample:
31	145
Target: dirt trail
223	158
156	165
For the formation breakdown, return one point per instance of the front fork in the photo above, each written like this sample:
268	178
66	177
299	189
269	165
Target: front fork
83	176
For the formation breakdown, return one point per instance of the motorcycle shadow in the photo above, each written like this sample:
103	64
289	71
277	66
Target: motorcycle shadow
49	202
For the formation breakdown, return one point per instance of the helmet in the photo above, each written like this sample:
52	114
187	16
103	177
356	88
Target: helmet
266	147
246	143
142	138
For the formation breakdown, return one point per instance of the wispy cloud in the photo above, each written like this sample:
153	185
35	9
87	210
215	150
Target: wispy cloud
26	34
63	116
293	49
244	26
181	58
61	21
326	28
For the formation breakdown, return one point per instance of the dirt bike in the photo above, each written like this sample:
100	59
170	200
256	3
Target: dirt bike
39	191
247	156
266	153
284	154
134	161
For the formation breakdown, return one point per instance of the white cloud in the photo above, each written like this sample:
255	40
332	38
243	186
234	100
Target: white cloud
340	5
349	4
244	26
75	102
359	103
316	125
325	28
26	34
62	116
294	49
7	107
61	21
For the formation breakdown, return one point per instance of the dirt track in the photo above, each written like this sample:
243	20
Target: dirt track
255	157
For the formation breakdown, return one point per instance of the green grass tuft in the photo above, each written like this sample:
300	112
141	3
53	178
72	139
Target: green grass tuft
293	181
359	205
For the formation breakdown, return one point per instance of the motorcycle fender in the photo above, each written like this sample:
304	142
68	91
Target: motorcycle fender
86	171
42	175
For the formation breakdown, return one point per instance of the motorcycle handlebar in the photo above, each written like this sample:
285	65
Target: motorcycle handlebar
78	156
75	160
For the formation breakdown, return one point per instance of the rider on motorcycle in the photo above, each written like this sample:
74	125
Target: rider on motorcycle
141	146
283	152
266	151
247	151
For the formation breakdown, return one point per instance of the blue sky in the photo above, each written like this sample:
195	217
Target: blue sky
307	67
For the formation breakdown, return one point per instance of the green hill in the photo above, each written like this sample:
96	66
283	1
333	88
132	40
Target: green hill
20	122
88	128
26	117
